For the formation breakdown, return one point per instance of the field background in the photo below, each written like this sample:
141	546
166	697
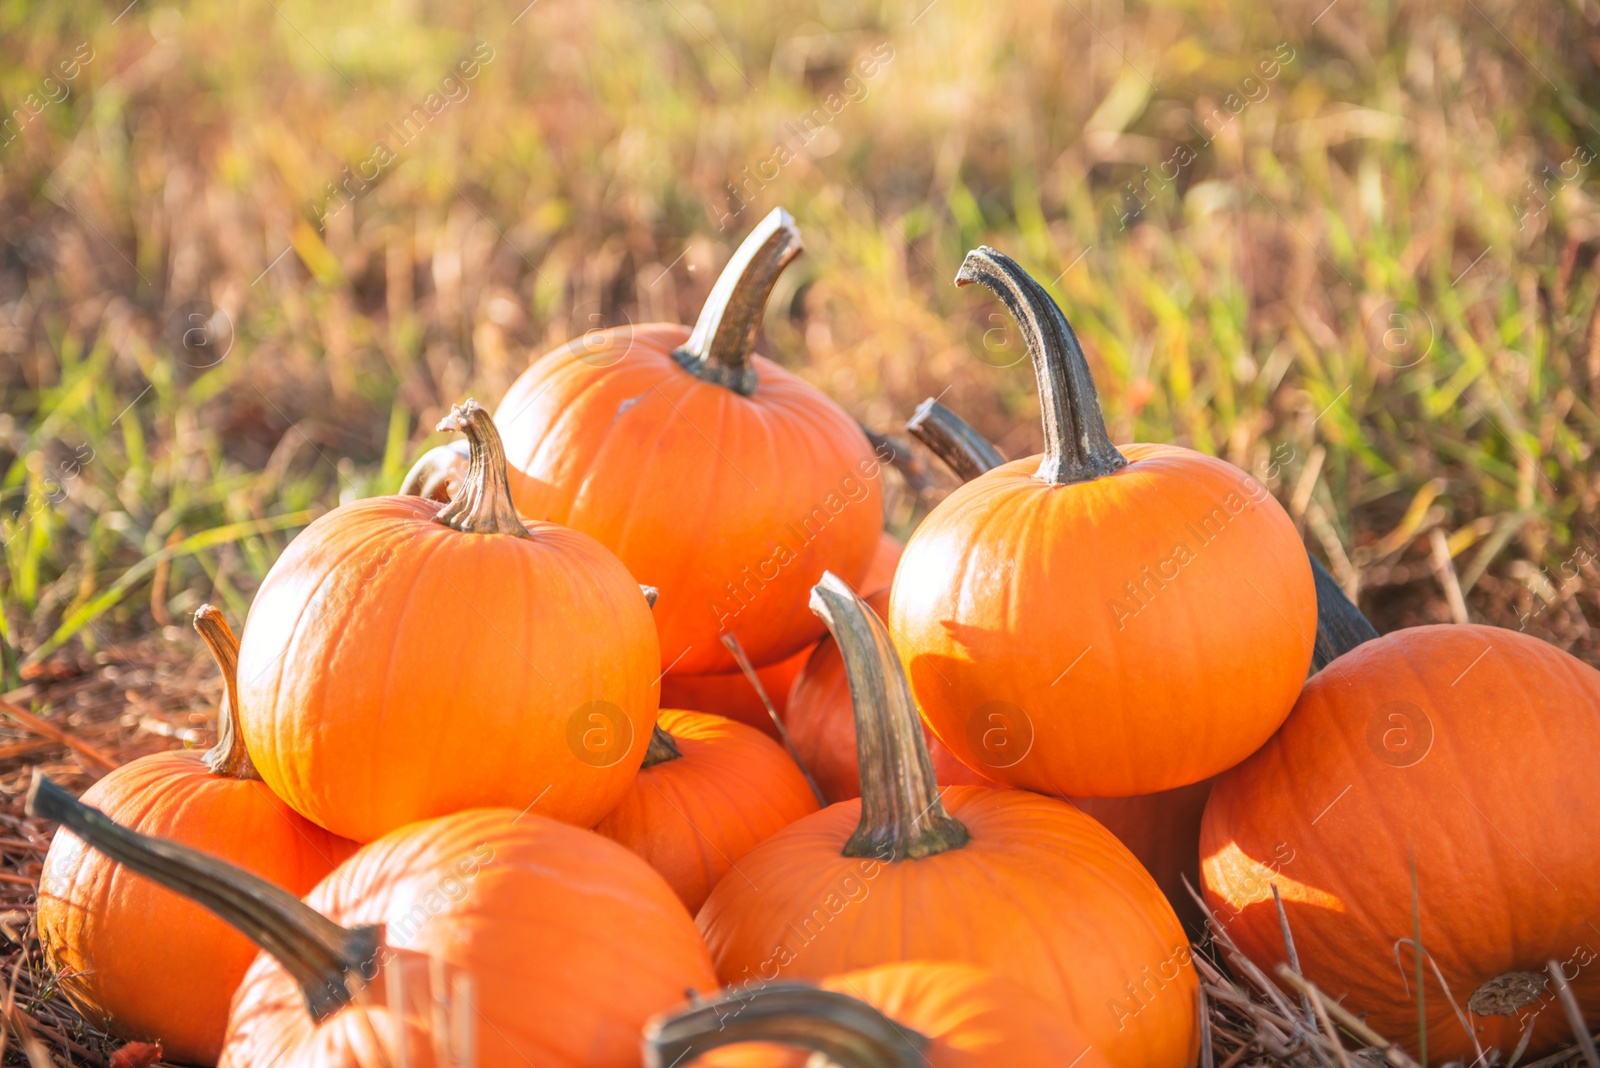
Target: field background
1349	246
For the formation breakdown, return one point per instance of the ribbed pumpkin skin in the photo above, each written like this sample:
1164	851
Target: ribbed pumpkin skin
1042	894
139	960
1010	580
732	695
975	1019
822	725
573	943
1500	811
1163	831
393	669
707	495
693	818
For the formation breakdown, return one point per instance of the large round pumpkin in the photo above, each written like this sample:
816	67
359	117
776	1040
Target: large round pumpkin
1005	879
1465	754
710	791
405	659
1100	622
487	937
715	475
137	959
918	1014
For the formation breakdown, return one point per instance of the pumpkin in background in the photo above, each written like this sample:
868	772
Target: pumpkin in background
710	791
918	1014
733	696
488	937
822	725
1005	879
136	959
405	659
1468	751
716	475
1127	621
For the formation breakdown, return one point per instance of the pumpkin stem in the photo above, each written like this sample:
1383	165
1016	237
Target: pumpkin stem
439	473
229	756
1076	445
900	804
952	439
848	1032
719	348
482	503
1340	625
331	963
663	747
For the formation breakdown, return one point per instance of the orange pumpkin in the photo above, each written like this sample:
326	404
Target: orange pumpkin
733	696
709	792
114	939
822	725
715	475
1004	879
1465	754
488	937
921	1014
1124	621
406	659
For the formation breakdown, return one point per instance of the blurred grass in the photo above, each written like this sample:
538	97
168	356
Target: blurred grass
1374	287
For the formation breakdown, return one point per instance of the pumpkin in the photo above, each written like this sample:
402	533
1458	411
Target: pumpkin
822	725
920	1014
1465	755
714	474
733	696
1125	621
1003	879
110	936
405	659
486	937
710	791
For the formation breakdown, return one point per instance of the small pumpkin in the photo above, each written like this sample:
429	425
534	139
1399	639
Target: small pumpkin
1130	620
710	791
487	937
733	696
113	939
918	1014
1441	778
714	474
1003	879
405	659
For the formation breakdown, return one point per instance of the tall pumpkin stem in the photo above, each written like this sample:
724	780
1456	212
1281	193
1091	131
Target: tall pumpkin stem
1340	625
229	756
482	503
848	1032
952	439
719	348
1076	445
663	747
902	816
331	963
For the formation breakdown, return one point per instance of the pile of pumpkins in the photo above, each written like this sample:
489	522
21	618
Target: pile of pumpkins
626	735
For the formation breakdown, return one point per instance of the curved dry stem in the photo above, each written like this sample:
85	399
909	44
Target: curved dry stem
848	1032
482	505
1340	625
229	756
952	439
902	816
330	962
1076	445
663	747
719	348
439	473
